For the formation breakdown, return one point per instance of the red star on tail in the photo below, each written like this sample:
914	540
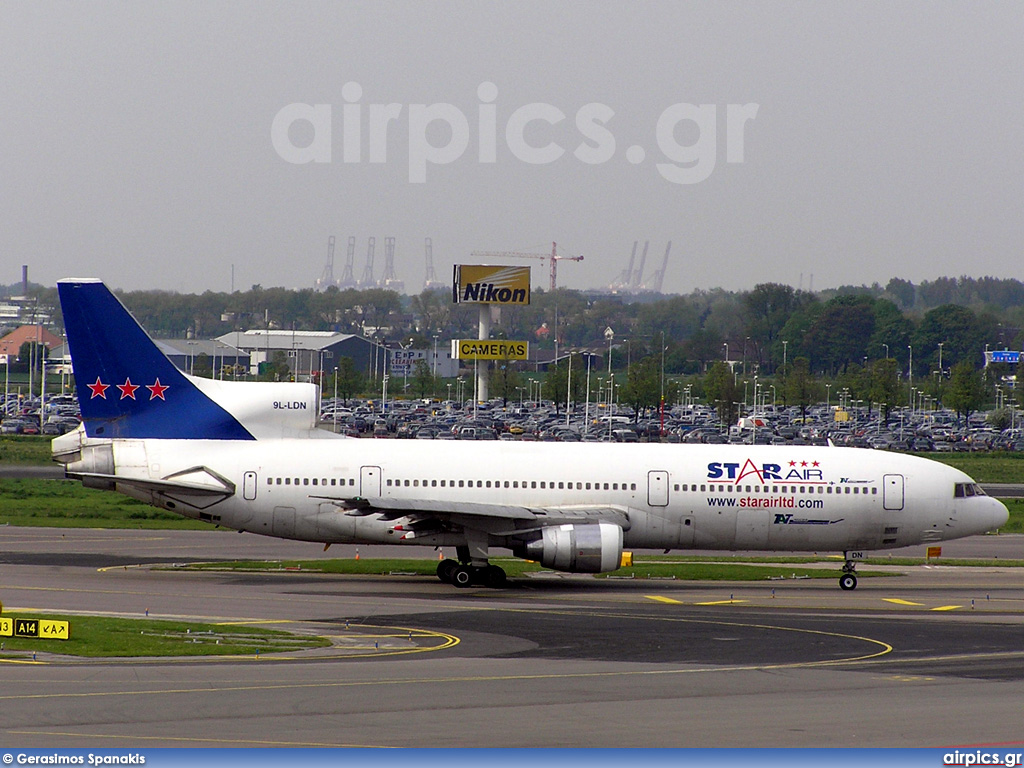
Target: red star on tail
99	389
127	389
156	389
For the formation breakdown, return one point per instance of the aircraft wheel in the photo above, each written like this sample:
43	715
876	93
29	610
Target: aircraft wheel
462	576
494	577
445	569
848	581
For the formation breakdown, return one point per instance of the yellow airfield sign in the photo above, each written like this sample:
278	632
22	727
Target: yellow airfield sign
45	629
497	349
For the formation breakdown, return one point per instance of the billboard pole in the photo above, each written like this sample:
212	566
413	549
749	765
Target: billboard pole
483	335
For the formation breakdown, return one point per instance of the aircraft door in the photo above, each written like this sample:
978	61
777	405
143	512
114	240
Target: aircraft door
249	486
892	492
369	481
657	488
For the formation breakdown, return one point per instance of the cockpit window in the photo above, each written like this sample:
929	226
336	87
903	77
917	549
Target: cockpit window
962	490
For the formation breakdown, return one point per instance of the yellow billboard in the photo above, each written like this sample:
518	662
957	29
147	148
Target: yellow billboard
480	284
498	349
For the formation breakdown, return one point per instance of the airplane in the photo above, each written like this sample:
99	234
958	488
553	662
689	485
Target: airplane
248	456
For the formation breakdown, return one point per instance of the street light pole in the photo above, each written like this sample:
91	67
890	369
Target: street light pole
910	374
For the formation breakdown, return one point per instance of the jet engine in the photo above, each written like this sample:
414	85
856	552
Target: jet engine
586	548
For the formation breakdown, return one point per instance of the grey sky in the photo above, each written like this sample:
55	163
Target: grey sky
135	139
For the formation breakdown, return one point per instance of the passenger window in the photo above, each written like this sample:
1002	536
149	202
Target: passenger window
632	486
305	481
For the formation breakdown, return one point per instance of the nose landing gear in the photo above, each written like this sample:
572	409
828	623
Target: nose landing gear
848	580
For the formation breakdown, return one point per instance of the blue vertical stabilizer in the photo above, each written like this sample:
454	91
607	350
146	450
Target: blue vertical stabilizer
127	388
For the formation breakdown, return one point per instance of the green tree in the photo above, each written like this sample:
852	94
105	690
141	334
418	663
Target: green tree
720	391
966	391
505	380
802	388
276	369
885	385
1018	384
422	379
643	385
350	381
959	330
557	384
842	333
202	366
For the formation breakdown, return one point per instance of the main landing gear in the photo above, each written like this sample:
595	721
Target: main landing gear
848	580
467	575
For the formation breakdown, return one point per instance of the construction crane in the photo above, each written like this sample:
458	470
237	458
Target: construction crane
622	281
638	276
326	279
659	277
367	281
389	279
431	280
348	280
554	257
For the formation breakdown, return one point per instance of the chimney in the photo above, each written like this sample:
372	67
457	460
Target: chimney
24	279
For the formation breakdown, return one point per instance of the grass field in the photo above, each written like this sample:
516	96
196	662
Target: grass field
100	636
24	449
683	567
65	503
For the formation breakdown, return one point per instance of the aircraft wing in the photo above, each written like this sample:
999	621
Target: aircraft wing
484	515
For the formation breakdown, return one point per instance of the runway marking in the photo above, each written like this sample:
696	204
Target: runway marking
462	679
198	740
661	599
723	602
898	601
947	608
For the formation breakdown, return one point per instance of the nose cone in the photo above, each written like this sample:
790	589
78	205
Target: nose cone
997	514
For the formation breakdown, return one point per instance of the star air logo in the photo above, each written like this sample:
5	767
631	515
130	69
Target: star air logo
797	471
127	390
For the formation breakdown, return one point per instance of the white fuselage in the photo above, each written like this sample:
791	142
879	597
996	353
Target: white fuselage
671	496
